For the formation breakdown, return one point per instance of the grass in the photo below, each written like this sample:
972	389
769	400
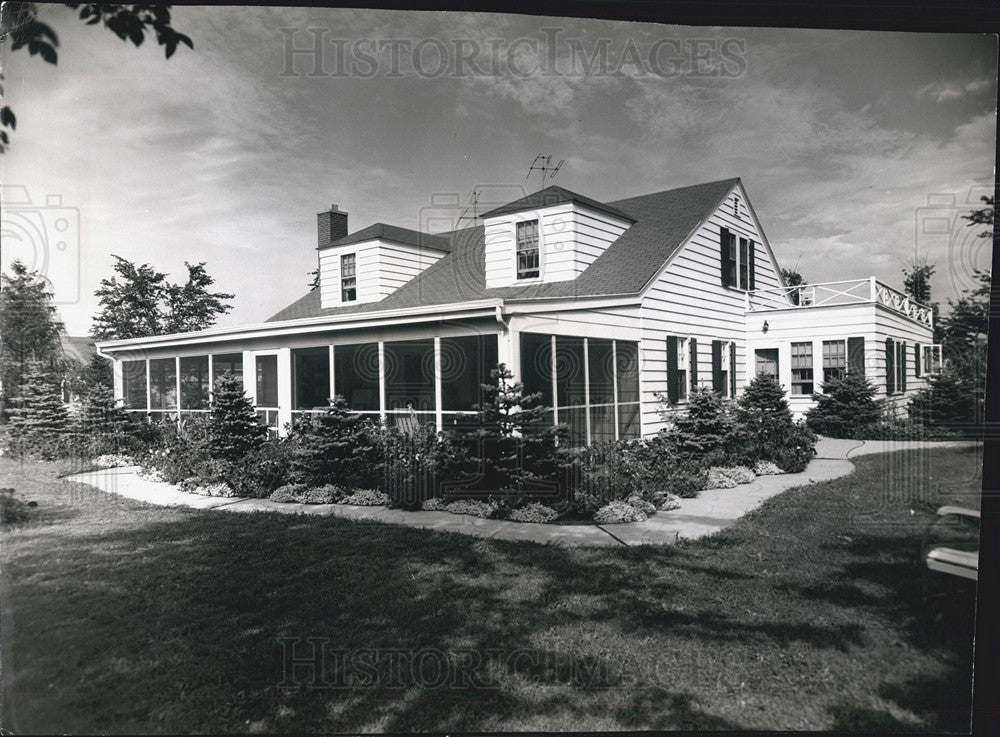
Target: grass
810	613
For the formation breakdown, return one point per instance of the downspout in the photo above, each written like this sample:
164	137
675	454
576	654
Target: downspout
499	315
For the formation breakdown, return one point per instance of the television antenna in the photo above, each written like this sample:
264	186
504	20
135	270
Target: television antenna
543	168
473	205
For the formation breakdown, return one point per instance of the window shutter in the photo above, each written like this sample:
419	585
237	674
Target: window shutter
717	366
693	361
890	366
753	265
673	395
856	356
732	370
902	366
916	359
728	263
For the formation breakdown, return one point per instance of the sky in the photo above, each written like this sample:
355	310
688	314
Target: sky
859	150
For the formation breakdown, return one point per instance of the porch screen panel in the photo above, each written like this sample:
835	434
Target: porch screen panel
231	363
134	384
466	363
536	366
570	376
311	377
628	421
856	356
267	381
194	382
162	383
409	375
600	361
627	363
355	375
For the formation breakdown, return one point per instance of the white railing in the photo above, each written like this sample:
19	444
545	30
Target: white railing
854	291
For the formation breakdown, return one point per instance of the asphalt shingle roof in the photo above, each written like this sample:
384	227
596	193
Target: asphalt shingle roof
662	222
554	196
393	233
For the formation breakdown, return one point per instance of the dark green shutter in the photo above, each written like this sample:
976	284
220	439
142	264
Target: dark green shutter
902	366
890	366
717	384
673	395
856	356
732	370
693	360
727	262
753	265
916	359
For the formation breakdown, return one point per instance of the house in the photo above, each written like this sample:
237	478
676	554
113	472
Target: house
602	307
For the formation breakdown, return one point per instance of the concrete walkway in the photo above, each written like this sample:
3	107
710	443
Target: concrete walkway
711	511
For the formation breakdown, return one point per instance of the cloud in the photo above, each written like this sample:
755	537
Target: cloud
954	90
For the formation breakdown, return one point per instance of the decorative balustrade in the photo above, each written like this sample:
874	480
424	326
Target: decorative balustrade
854	291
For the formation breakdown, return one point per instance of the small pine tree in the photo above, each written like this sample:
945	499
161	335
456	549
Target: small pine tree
948	399
234	428
764	418
526	455
333	447
705	430
103	423
847	408
37	420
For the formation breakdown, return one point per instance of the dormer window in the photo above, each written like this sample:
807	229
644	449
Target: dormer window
348	278
527	250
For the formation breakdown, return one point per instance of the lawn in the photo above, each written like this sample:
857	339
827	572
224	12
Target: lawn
812	612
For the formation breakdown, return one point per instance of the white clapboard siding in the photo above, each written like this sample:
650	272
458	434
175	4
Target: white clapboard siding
571	237
688	299
382	268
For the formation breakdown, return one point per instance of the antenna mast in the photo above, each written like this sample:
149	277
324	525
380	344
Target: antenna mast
473	205
543	168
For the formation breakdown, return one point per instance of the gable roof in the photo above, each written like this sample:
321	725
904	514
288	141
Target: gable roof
662	223
554	196
386	232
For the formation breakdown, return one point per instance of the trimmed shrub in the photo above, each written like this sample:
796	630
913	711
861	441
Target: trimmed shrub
220	488
718	478
647	508
797	450
665	501
533	512
289	493
948	400
766	468
742	474
434	504
617	513
366	498
302	494
412	462
113	460
471	506
13	510
263	470
847	408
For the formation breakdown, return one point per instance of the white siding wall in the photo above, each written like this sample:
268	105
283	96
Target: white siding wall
837	322
688	299
382	268
570	238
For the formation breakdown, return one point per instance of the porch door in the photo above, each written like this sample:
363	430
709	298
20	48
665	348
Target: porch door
766	361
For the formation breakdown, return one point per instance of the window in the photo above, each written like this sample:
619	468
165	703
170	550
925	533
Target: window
932	358
134	384
227	363
348	278
527	250
311	384
834	359
738	262
194	382
677	368
163	383
267	381
802	368
720	374
355	375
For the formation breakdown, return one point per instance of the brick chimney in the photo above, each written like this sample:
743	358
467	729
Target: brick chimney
331	226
